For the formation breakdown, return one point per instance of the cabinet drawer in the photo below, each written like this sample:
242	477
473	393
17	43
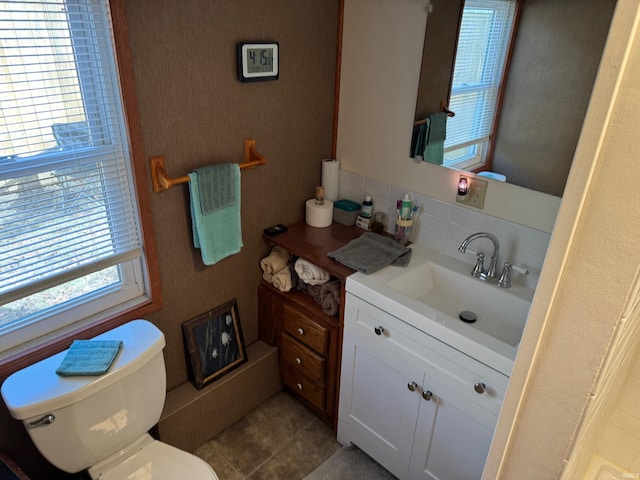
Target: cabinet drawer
300	326
305	387
302	359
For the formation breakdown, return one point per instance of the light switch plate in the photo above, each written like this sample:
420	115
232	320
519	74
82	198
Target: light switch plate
476	194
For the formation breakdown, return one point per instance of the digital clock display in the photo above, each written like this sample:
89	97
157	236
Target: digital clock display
257	61
260	60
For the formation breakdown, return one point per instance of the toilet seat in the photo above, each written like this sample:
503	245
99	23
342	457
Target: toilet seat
149	459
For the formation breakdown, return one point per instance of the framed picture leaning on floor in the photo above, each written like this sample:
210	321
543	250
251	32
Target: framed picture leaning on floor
215	343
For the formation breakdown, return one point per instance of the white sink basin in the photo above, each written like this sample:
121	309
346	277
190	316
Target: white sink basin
431	293
497	313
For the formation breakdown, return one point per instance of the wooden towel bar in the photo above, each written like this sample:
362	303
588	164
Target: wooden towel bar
443	109
161	180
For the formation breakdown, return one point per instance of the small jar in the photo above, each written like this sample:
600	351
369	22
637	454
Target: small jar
378	222
367	207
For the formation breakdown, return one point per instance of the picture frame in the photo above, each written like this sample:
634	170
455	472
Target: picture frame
215	343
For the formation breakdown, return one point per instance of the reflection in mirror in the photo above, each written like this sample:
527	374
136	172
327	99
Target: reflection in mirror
550	77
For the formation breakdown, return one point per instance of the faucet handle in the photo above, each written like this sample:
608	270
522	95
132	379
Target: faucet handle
479	268
520	269
505	278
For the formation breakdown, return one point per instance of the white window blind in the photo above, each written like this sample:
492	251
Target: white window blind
482	47
67	202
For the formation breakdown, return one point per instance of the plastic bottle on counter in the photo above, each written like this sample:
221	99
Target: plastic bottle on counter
367	207
405	211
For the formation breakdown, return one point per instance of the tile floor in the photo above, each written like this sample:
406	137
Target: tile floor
280	439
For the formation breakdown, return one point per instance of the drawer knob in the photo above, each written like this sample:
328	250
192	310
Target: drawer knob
299	385
298	361
427	395
412	386
300	331
479	387
379	330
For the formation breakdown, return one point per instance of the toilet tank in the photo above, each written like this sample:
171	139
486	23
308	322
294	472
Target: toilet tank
94	416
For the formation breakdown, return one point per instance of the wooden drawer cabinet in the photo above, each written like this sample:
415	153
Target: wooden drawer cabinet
304	387
303	370
309	341
302	360
299	325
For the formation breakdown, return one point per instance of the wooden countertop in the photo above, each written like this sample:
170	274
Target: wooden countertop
313	244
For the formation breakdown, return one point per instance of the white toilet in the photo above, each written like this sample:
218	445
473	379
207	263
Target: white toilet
101	423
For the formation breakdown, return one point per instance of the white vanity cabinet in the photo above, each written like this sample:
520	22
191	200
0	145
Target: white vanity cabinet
417	406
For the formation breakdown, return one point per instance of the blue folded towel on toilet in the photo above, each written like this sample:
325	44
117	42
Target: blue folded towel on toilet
89	357
215	211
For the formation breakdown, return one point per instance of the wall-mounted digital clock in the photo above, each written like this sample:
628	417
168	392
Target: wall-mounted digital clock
257	61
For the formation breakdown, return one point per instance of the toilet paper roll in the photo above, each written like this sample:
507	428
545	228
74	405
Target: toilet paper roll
319	216
331	178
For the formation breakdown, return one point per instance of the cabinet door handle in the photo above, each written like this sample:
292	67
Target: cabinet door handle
379	330
427	395
300	331
412	386
298	361
480	387
299	385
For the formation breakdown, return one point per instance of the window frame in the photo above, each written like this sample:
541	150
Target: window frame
57	342
489	144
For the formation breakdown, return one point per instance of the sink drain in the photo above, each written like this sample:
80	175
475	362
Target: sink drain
467	316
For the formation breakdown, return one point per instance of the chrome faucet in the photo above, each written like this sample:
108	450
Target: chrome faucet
478	270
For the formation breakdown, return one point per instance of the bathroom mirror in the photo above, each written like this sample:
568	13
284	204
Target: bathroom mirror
556	54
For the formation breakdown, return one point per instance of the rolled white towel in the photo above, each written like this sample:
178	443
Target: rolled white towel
310	273
274	262
282	280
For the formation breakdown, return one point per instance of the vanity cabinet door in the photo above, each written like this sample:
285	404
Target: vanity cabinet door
378	402
453	443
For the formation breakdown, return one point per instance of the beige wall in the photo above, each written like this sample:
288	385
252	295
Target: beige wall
195	112
589	283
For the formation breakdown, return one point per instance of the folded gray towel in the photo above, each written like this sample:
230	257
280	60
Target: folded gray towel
330	297
314	291
371	252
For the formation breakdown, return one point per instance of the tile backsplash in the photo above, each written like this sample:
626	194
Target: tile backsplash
443	226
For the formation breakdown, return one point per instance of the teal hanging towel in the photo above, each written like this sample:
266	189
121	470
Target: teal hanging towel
215	211
436	135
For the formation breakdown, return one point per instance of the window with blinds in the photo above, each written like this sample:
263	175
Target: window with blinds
70	242
483	42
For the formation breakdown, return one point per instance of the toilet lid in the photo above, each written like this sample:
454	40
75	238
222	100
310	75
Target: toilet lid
159	461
